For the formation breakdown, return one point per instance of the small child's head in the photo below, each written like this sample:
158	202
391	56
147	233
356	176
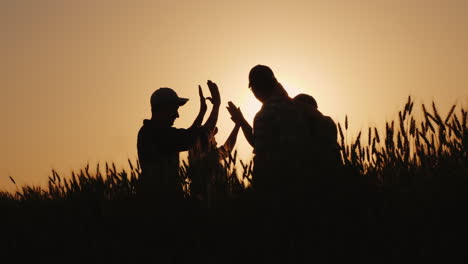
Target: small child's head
306	99
205	143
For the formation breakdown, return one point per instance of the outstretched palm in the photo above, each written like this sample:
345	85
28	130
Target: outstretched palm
215	97
203	105
235	112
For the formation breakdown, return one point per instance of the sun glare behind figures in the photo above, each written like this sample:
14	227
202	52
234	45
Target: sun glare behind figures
251	105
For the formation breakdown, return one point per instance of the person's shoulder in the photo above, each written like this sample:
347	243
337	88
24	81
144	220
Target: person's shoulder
189	134
266	115
273	106
173	132
144	127
144	134
329	120
264	110
151	129
193	130
330	123
178	130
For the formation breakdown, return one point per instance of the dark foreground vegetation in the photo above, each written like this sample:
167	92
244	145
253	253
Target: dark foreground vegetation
400	197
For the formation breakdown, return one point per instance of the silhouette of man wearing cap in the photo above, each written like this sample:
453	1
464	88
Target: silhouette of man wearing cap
159	143
286	137
280	156
276	135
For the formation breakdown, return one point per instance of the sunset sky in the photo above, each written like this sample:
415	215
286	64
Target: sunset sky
76	76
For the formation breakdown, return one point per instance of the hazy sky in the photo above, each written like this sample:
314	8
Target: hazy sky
76	76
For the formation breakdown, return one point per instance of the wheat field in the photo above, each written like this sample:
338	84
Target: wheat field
401	198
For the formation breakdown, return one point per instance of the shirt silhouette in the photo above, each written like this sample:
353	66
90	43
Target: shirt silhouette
159	144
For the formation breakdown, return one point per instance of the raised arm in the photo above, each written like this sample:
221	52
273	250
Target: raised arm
248	132
210	123
238	118
201	114
231	140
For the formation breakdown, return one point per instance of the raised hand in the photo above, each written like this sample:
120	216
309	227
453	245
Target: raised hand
235	112
203	105
215	99
215	96
238	118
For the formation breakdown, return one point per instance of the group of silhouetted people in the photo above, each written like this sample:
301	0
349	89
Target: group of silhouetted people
293	142
296	154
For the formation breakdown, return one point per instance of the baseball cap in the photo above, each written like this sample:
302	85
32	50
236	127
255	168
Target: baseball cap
165	95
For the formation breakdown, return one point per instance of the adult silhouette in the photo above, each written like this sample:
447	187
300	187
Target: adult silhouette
159	143
281	158
318	139
277	136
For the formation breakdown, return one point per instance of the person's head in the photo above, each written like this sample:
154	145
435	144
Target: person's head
306	99
263	83
165	104
205	143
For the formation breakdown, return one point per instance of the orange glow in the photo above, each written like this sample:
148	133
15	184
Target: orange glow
77	75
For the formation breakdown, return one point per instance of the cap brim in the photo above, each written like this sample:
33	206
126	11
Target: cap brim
182	101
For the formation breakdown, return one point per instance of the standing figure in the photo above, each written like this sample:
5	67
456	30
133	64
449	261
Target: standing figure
210	183
159	144
277	138
323	133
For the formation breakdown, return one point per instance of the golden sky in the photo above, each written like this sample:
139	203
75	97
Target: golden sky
76	76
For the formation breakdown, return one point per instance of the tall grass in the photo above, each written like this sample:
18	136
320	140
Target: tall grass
408	154
415	172
412	154
111	184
